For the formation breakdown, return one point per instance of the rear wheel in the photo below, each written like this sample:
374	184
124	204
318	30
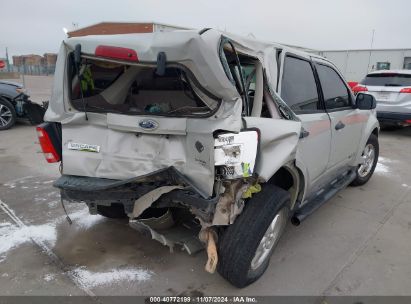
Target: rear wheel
370	159
114	211
246	246
7	114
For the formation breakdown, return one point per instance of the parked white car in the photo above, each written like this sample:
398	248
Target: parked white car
392	90
205	136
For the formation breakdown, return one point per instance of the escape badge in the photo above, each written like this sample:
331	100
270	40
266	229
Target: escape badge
83	147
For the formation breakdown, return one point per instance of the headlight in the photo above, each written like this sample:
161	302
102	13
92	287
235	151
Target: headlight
21	90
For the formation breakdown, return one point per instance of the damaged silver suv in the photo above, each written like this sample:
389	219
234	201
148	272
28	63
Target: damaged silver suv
205	139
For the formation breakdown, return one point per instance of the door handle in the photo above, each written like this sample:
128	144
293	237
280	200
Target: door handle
340	125
304	133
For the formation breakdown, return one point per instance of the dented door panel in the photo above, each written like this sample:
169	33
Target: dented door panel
318	136
278	143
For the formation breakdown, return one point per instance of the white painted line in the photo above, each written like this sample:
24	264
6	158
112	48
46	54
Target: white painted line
75	279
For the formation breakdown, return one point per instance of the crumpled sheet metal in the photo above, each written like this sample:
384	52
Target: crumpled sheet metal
230	204
197	52
123	156
145	201
178	235
278	143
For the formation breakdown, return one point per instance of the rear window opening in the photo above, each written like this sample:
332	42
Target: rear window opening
387	80
241	70
138	90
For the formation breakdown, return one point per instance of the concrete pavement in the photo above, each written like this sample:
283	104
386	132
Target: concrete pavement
356	244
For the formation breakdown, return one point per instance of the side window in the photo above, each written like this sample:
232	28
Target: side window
298	88
383	65
336	94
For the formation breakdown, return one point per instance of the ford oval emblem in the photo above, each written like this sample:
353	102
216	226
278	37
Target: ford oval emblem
148	124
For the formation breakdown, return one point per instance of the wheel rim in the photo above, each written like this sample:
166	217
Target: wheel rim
270	239
368	156
5	115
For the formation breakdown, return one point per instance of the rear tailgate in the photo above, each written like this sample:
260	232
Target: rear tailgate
124	117
382	94
115	151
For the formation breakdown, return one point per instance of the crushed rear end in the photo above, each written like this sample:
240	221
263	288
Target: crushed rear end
155	127
140	124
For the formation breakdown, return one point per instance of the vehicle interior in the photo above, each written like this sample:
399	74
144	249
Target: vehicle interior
247	74
101	86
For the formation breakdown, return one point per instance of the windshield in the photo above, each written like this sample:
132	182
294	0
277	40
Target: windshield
131	89
387	79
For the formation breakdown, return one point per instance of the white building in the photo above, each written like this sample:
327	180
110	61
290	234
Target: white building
355	64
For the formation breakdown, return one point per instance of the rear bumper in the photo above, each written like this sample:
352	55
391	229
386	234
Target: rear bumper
99	191
394	117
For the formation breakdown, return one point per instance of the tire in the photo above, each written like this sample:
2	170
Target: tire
7	114
114	211
238	244
361	179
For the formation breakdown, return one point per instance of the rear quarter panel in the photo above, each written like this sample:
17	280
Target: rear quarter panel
278	143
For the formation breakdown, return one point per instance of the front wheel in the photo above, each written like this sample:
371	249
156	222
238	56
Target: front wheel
7	114
246	246
370	159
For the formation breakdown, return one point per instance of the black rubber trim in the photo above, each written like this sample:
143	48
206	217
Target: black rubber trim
87	184
204	30
393	116
316	202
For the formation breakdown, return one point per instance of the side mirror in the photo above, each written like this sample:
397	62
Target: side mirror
365	101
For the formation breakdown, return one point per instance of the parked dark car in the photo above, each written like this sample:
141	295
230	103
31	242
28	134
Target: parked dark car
15	104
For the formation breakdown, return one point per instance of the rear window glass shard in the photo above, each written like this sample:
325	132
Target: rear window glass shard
138	90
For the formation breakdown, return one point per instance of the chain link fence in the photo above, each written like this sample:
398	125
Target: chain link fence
32	69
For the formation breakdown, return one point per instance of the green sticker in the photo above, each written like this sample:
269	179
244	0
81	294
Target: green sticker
246	169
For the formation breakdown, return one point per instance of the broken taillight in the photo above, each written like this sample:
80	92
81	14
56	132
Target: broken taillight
115	52
47	146
352	84
359	88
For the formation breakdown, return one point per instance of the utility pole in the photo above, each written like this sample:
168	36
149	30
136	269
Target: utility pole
7	60
369	57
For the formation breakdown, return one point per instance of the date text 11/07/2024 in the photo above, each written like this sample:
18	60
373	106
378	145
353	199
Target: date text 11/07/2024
203	299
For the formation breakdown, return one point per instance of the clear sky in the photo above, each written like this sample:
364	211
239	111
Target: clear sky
36	26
